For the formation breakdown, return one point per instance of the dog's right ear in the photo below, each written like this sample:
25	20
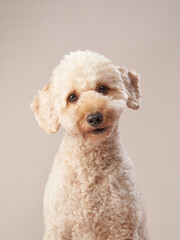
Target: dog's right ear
44	109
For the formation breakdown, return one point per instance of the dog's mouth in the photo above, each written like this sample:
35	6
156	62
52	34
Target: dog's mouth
99	130
95	135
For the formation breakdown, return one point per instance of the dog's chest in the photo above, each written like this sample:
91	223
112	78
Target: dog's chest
101	203
93	200
97	197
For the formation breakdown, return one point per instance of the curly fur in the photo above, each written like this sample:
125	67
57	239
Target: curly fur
91	192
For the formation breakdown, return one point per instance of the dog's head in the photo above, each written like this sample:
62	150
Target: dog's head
86	96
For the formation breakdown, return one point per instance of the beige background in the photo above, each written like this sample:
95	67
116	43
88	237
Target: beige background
143	35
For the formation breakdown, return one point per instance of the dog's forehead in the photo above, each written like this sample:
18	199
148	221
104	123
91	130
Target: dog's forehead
85	79
84	74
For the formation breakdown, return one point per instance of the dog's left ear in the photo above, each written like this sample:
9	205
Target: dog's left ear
131	83
44	109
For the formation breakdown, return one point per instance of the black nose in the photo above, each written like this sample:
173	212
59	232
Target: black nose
95	119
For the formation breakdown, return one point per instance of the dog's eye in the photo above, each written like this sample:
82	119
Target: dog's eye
103	90
72	98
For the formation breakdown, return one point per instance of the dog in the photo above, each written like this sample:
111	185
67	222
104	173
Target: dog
91	192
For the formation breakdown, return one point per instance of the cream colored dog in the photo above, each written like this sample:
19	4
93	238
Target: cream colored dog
91	192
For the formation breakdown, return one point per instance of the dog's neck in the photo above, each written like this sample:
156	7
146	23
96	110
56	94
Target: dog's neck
90	155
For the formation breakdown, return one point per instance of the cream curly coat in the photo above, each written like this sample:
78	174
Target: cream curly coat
91	192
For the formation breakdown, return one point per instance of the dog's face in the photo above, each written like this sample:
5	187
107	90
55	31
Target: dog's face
86	96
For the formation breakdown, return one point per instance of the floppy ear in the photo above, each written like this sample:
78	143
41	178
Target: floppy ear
44	109
131	83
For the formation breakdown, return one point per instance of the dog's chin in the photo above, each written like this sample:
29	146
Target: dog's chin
97	135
